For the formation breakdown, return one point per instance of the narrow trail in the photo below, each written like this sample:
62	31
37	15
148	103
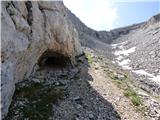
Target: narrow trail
106	88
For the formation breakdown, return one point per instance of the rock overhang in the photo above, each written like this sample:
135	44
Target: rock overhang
27	33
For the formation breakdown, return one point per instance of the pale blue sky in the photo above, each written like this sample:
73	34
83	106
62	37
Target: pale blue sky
135	12
110	14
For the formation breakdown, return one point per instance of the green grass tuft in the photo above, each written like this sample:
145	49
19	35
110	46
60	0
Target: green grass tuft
40	100
136	100
130	93
89	58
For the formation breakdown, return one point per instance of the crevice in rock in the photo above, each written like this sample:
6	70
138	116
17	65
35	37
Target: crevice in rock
30	15
7	6
14	5
44	22
45	8
10	13
17	19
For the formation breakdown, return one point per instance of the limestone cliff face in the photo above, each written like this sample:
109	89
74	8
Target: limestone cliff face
28	30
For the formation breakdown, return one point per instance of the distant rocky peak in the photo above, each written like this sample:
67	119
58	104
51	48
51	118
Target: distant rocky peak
153	20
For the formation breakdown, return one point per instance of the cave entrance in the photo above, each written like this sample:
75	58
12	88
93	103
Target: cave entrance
50	59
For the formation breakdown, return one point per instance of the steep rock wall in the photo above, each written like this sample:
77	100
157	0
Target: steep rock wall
28	30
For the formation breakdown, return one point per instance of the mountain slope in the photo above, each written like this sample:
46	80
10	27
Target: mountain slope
144	60
135	48
99	40
143	36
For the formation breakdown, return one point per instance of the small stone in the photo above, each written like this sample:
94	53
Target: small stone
78	106
91	116
119	76
151	53
96	67
26	118
57	83
62	82
77	98
36	80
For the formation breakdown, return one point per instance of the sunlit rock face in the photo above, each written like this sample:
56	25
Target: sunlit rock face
28	30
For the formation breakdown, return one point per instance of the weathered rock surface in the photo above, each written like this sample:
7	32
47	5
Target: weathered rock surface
28	30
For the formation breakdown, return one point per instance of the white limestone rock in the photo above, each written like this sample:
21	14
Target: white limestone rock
26	35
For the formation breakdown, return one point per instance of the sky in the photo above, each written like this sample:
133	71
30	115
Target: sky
111	14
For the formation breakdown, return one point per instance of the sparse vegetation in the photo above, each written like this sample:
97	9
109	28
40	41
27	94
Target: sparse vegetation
37	101
130	93
124	85
89	58
136	100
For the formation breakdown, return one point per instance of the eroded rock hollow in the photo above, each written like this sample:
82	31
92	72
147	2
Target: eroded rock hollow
53	60
29	29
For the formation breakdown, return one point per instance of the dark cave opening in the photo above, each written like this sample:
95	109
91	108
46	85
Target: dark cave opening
54	60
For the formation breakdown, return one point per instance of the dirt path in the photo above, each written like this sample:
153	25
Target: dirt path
113	94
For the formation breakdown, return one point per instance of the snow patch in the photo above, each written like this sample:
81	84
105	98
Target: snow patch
119	58
142	72
114	45
113	62
156	79
118	44
122	53
121	47
125	52
151	77
124	64
127	67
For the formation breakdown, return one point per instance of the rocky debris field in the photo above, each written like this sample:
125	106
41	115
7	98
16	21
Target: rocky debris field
139	51
93	89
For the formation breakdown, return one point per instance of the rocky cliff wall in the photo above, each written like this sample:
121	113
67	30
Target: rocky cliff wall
28	29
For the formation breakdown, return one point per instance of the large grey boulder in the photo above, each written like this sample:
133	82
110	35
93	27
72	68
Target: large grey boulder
28	30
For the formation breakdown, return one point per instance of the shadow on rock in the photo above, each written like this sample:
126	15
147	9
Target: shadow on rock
62	94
